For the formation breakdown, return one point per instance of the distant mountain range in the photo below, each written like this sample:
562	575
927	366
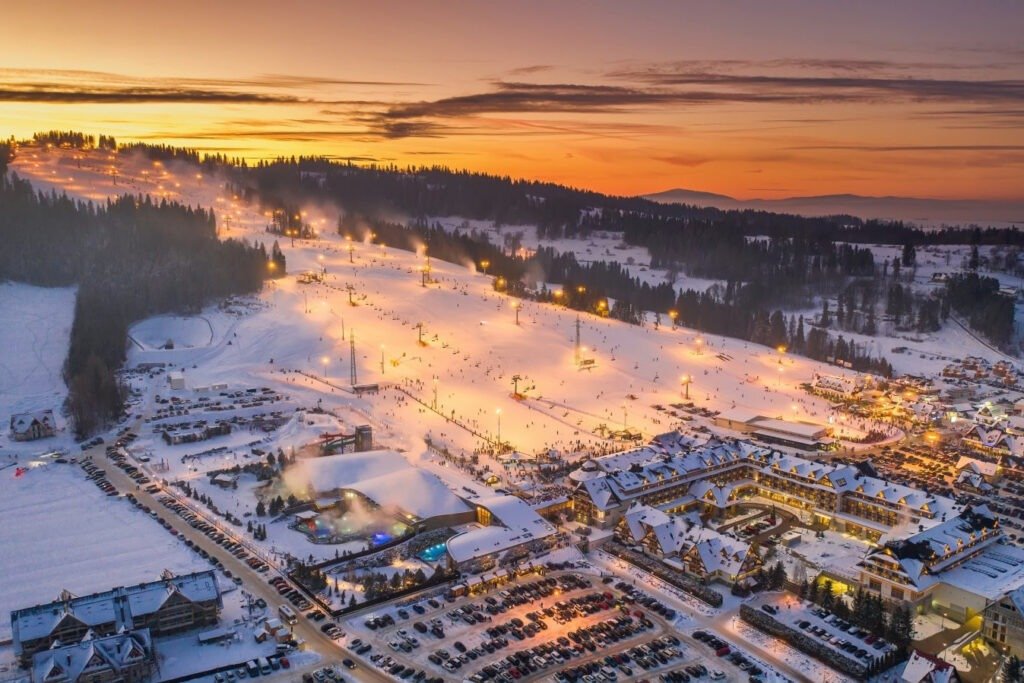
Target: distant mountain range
928	212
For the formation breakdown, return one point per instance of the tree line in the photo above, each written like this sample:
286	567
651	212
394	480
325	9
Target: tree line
131	258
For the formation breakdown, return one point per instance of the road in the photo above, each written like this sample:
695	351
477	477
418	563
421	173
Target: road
253	582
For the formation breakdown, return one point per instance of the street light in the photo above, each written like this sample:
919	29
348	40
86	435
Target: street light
325	360
382	359
485	264
698	341
497	412
687	381
515	307
673	314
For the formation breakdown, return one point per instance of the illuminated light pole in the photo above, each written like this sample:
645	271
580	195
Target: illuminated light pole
673	314
325	360
687	381
782	351
484	265
515	307
699	342
351	252
382	359
435	392
558	294
498	413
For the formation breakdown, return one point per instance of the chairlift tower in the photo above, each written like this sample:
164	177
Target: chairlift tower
352	359
576	349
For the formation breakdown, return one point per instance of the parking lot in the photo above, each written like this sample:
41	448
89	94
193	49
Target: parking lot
845	639
563	627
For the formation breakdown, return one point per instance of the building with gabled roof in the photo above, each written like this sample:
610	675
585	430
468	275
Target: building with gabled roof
127	657
1004	622
38	424
175	603
909	569
925	668
718	475
684	541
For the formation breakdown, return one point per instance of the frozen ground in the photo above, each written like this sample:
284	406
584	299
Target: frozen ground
35	325
61	531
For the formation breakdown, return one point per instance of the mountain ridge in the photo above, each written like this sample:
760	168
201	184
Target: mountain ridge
919	210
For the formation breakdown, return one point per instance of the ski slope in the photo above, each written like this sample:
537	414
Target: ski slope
472	346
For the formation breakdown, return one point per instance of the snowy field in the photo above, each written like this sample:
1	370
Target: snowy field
35	325
68	534
170	332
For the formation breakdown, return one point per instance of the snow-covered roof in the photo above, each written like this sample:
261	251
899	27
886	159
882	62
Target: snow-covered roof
413	490
679	535
70	662
333	472
987	469
996	571
22	422
924	668
511	511
385	477
491	539
803	430
117	606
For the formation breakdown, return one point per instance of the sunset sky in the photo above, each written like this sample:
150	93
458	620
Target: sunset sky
758	99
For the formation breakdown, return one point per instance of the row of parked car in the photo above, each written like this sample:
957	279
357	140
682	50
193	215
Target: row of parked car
587	639
858	643
386	663
723	650
289	593
253	668
98	477
217	536
635	594
647	656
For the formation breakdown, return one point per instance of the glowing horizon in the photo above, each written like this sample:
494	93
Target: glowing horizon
751	101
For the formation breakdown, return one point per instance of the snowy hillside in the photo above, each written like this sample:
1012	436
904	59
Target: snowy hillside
35	325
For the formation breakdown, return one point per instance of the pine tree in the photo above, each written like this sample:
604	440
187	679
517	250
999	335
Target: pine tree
827	597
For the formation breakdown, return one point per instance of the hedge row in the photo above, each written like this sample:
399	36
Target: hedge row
801	641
